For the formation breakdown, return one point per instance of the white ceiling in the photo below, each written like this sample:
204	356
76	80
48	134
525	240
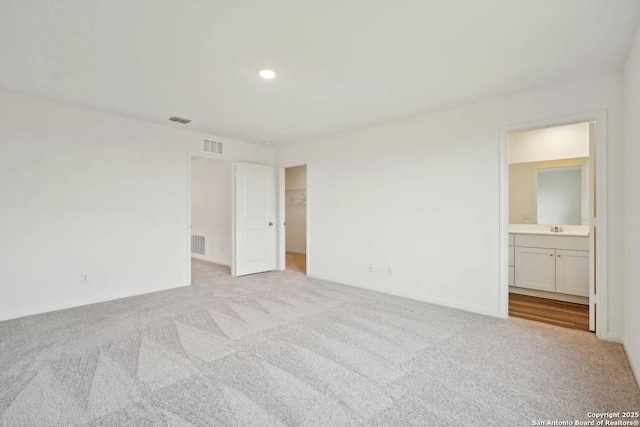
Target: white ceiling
342	64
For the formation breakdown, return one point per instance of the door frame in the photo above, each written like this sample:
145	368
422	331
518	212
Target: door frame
282	236
597	151
190	157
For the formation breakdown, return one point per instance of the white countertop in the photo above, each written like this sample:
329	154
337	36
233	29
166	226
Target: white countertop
569	230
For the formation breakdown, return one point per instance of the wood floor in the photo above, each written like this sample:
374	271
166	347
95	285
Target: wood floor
567	314
297	262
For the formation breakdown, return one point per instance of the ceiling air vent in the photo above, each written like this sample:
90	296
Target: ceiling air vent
179	120
213	147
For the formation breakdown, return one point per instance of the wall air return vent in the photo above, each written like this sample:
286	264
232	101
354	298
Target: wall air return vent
213	147
179	120
197	245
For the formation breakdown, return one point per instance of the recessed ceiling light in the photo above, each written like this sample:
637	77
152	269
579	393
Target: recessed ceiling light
267	74
266	142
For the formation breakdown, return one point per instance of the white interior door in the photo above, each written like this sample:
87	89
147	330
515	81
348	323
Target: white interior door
592	226
254	229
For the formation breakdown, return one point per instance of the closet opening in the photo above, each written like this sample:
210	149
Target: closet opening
295	218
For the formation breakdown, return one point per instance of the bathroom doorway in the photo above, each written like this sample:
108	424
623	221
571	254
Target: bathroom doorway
551	211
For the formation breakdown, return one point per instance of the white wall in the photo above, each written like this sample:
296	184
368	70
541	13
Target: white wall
85	192
632	205
211	207
554	143
422	196
296	212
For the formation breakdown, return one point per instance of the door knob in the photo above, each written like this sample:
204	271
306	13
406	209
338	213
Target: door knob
270	223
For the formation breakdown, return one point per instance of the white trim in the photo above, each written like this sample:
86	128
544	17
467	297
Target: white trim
211	259
233	219
399	293
282	250
188	221
85	301
634	368
503	217
600	117
612	337
592	249
282	237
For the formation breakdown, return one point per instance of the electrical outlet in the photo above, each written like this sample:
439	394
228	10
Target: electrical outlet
389	271
370	268
84	279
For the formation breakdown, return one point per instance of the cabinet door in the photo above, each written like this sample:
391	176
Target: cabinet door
572	272
535	268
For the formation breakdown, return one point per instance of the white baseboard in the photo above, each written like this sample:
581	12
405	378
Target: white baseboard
84	302
211	259
611	337
297	252
431	300
634	366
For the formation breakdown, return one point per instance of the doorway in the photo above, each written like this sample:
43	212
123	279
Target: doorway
232	217
295	217
551	224
210	218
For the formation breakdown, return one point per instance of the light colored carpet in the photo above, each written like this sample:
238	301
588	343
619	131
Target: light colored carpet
282	349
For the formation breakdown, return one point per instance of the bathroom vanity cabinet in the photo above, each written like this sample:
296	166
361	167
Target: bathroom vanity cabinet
550	263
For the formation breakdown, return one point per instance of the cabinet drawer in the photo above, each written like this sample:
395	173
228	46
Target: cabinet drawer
535	268
511	239
512	276
511	255
552	242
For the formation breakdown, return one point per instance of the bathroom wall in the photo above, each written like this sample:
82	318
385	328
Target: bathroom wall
554	143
